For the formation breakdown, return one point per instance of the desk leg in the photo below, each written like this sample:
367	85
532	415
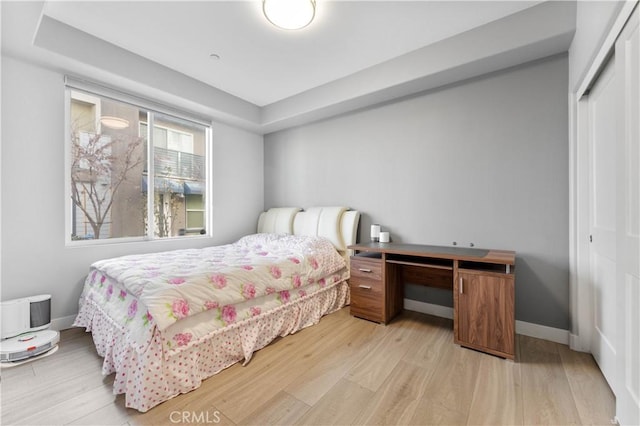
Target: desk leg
456	295
394	291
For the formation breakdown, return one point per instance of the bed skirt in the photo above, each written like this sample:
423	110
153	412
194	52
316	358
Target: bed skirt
150	377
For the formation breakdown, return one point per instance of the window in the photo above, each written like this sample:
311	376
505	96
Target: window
129	182
195	212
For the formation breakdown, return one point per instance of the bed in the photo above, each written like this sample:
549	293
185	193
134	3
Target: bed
164	322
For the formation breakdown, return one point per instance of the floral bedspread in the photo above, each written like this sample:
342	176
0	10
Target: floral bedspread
178	284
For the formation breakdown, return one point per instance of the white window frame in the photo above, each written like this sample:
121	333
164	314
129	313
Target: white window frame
96	91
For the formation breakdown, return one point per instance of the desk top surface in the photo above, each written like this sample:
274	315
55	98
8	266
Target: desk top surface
505	257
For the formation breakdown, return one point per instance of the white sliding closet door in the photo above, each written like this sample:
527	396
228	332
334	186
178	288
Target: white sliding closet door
613	110
628	223
602	105
607	212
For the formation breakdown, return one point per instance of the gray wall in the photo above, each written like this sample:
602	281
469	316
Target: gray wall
35	259
483	161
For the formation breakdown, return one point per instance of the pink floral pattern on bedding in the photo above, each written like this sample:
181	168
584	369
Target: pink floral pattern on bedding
148	376
179	284
200	327
153	365
133	316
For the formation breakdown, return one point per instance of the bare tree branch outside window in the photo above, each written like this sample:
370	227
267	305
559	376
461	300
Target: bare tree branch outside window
97	174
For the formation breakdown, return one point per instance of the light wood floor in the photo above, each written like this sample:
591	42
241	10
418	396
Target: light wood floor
341	371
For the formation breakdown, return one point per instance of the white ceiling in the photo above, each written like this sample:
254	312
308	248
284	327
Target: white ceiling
261	63
354	54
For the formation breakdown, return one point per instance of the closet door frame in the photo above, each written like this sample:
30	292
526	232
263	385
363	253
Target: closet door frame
581	291
579	253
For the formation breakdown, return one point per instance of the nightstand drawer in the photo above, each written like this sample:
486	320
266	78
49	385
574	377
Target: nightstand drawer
366	268
366	285
366	299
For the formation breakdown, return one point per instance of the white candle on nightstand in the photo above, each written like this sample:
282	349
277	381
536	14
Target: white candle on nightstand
375	233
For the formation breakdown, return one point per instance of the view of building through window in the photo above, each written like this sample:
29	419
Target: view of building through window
111	171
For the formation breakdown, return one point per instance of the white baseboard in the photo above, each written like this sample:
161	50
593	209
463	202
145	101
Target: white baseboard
525	328
552	334
62	323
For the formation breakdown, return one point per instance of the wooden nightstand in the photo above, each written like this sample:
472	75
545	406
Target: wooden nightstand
367	288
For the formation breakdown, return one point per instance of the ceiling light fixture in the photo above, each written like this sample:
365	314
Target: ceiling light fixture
114	122
289	14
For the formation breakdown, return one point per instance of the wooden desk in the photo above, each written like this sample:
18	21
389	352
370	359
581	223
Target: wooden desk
482	282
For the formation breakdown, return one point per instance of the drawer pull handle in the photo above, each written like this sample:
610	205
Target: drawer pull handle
365	270
366	287
461	285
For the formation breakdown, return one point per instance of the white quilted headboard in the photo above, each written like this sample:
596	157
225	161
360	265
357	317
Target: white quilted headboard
277	220
338	224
